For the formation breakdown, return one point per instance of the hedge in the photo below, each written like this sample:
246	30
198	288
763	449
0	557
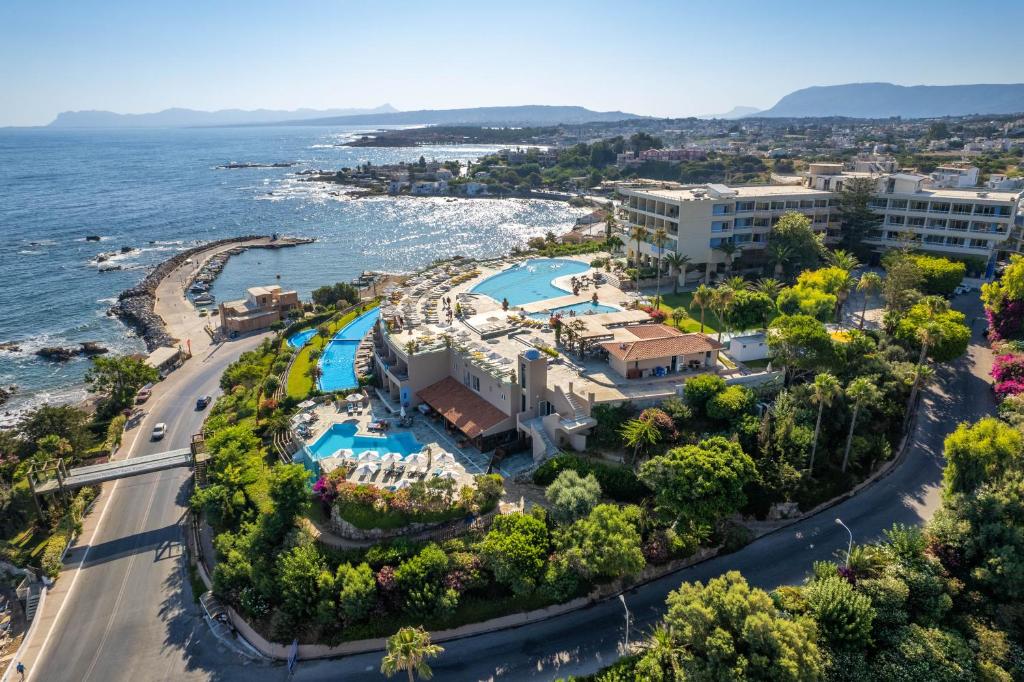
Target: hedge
53	553
617	482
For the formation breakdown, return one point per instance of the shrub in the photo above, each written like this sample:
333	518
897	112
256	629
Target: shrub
572	496
1008	371
52	561
515	550
617	482
700	389
941	275
666	425
731	403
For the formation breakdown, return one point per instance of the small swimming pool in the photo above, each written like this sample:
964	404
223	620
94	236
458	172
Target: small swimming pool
339	357
344	436
300	339
530	281
582	308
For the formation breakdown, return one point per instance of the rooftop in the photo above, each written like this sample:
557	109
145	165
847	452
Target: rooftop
650	347
702	193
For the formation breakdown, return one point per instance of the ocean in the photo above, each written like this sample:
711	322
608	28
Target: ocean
160	191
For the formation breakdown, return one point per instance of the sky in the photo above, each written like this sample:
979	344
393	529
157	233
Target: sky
656	58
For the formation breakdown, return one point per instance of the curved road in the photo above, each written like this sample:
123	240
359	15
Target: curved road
131	616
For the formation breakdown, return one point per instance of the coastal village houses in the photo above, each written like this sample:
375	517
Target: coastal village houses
262	307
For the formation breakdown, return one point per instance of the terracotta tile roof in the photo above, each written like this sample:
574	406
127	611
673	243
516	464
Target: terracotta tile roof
653	331
470	413
663	347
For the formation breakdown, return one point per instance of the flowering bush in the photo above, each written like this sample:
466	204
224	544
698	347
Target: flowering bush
1008	371
656	314
666	426
1008	323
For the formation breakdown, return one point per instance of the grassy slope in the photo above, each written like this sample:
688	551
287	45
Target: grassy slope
299	384
670	301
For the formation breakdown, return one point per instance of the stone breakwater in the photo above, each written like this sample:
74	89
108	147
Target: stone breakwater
135	306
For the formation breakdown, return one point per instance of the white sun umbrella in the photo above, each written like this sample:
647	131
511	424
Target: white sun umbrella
343	452
391	458
417	459
403	483
367	468
444	459
355	398
369	456
451	475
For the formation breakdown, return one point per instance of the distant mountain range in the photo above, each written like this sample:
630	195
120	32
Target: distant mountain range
884	100
734	113
526	115
179	118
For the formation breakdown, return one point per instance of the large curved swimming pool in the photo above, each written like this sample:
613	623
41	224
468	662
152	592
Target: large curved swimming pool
340	436
338	361
530	280
300	339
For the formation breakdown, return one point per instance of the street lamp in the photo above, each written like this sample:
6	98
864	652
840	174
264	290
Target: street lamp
622	598
849	548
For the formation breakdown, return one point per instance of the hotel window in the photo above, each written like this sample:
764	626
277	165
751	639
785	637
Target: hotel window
744	206
763	206
792	203
522	375
465	378
721	209
820	203
918	205
778	205
898	203
720	226
476	384
806	203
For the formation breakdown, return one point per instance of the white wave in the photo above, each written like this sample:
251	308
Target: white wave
26	252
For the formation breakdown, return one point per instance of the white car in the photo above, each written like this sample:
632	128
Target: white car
963	289
159	431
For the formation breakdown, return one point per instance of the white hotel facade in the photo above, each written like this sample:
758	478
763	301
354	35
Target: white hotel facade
953	220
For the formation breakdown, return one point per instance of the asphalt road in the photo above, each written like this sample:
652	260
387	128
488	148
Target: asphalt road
131	615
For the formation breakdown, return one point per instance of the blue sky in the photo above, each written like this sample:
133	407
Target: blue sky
658	58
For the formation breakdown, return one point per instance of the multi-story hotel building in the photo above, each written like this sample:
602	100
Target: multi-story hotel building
699	220
938	212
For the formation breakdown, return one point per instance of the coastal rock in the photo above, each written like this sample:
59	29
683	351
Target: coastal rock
7	392
91	348
11	346
57	353
92	238
127	249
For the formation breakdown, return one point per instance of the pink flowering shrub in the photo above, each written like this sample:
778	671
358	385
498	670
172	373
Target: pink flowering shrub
1008	372
1008	323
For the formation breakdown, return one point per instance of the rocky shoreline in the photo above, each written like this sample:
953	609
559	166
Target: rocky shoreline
135	306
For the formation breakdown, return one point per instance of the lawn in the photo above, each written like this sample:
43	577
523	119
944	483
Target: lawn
692	324
299	383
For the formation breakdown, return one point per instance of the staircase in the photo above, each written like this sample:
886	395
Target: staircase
539	434
32	603
579	411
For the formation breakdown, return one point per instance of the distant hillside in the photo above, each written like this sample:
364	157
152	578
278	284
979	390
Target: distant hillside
528	115
179	118
883	100
734	113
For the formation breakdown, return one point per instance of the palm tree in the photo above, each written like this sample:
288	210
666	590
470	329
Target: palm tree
679	314
869	283
928	335
703	297
823	391
640	234
779	255
722	301
861	391
678	264
728	249
843	288
408	650
736	283
769	286
920	375
667	652
659	240
844	260
614	244
640	432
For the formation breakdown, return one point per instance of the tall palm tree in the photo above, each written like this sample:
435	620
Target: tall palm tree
921	375
660	239
614	243
861	391
843	287
928	335
824	390
408	650
779	255
769	286
869	283
729	250
843	260
723	299
640	234
678	263
703	298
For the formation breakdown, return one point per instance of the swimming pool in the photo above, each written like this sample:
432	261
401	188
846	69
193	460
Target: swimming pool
582	308
344	436
339	357
300	339
530	280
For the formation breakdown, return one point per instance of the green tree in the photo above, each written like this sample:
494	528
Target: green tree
678	315
606	543
702	388
856	216
65	421
946	337
730	631
843	615
699	484
793	234
639	434
902	283
824	390
779	256
303	580
703	298
806	300
869	284
572	496
357	591
940	276
978	453
731	403
861	391
408	650
118	378
722	301
660	239
678	264
801	343
421	581
340	294
750	309
639	234
515	550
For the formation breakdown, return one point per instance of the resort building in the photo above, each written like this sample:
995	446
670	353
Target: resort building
660	350
942	212
700	220
262	307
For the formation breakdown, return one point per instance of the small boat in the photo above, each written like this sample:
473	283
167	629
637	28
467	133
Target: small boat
204	299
